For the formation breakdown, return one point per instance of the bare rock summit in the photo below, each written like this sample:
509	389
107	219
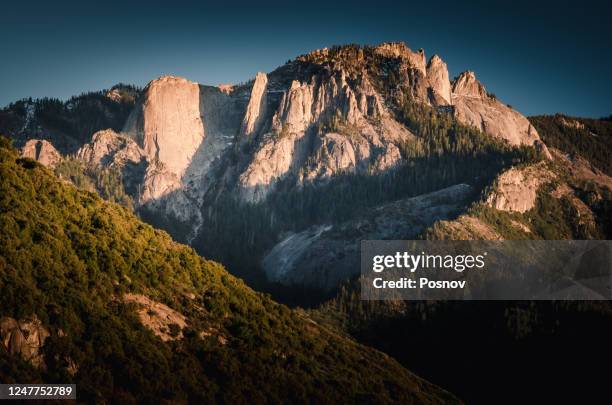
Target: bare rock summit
472	105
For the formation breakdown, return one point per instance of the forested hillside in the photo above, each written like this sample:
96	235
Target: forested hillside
572	199
590	138
533	347
68	124
91	295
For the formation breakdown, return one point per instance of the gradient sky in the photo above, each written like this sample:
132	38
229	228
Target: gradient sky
545	58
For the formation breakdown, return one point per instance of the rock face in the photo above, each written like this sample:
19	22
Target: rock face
473	106
324	114
322	127
517	188
323	256
256	109
108	148
42	151
181	128
437	73
24	338
167	124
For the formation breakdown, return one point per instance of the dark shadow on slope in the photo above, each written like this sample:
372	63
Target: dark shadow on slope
239	234
503	352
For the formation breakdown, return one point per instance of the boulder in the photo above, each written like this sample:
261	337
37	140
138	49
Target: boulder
24	338
516	189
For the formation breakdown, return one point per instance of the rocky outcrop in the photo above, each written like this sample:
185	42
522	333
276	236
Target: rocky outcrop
182	128
162	320
400	50
42	151
467	227
256	109
320	128
323	256
581	169
24	338
466	96
466	85
437	75
571	123
165	322
167	124
108	148
516	189
473	106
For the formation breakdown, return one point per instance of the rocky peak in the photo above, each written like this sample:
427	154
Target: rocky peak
467	85
182	128
473	106
320	115
401	50
437	74
256	109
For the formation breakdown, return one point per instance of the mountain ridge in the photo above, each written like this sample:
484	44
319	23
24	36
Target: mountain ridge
356	117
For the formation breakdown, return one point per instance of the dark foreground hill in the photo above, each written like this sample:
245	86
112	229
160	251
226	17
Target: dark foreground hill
93	296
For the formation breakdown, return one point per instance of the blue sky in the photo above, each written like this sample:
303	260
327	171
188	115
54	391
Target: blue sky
541	58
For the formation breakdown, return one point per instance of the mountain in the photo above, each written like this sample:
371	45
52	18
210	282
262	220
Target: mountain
307	151
279	178
93	296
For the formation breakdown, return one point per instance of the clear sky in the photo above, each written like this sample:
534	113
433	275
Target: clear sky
541	58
